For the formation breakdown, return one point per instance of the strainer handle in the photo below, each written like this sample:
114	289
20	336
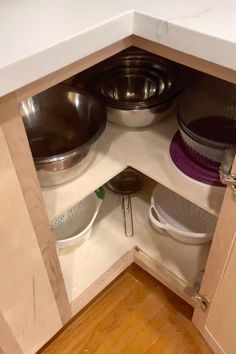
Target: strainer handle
154	219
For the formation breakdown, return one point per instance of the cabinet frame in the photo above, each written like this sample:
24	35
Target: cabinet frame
14	132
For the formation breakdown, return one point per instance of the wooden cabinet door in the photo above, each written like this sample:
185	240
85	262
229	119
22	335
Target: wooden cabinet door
218	323
33	299
29	314
30	297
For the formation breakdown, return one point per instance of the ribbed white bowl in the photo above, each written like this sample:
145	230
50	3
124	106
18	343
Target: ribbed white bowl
74	226
182	219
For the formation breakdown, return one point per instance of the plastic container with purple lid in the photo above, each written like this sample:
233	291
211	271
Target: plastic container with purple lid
207	125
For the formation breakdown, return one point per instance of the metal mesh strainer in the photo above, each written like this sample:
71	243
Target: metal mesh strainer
126	183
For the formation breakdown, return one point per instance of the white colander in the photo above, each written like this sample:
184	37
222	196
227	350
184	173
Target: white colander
182	219
74	225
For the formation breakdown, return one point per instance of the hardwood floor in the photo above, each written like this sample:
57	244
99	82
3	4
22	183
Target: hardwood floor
134	315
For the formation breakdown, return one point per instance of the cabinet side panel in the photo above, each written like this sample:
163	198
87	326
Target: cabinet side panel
218	275
221	322
26	298
18	146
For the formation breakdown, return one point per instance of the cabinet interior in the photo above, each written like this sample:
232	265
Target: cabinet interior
108	244
146	150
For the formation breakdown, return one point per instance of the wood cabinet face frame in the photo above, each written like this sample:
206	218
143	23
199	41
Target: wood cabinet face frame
18	146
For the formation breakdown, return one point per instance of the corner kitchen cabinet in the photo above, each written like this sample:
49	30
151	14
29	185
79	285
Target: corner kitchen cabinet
34	302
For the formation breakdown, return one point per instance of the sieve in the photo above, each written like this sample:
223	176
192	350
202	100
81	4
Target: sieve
126	184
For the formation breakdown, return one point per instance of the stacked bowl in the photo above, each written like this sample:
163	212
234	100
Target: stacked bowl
137	88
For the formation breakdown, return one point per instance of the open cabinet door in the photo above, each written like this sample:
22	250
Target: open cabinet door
29	314
217	323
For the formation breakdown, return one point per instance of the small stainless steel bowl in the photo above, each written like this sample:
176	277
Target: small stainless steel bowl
62	124
132	88
134	97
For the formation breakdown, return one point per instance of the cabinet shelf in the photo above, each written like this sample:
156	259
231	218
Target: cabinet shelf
146	150
82	266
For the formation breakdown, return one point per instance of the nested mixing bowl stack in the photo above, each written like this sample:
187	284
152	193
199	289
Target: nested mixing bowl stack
137	88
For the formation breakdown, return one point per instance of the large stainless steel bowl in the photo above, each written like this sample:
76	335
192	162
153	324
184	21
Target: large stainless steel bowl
62	124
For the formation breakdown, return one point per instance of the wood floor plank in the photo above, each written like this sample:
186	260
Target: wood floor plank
148	334
84	324
134	315
113	321
170	341
130	326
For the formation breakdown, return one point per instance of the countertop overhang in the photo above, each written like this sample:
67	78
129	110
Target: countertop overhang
38	38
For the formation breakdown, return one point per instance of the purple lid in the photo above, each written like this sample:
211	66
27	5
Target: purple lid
191	168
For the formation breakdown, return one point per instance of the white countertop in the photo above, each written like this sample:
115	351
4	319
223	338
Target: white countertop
39	37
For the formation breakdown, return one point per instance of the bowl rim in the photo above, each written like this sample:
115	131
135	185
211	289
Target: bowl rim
169	92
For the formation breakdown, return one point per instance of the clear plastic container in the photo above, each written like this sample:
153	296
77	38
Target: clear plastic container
207	125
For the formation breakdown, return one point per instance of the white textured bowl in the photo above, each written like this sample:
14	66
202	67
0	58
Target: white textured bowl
74	226
183	220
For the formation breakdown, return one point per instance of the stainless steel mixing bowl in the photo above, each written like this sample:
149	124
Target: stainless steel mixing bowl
62	124
138	88
132	88
135	96
141	117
